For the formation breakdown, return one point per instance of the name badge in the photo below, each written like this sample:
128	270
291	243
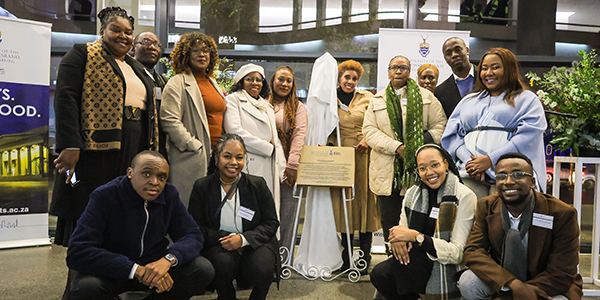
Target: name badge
158	92
403	101
435	213
541	220
245	213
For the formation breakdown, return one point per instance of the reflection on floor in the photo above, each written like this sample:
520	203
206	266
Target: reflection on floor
39	273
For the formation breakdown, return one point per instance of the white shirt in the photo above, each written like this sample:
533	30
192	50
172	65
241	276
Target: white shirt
230	219
471	73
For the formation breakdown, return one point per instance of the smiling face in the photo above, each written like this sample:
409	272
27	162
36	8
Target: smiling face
399	72
492	74
118	37
199	58
514	192
148	176
147	49
456	54
283	82
432	167
428	79
348	81
253	83
231	160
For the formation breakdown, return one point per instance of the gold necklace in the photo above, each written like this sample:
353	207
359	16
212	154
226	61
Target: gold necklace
227	183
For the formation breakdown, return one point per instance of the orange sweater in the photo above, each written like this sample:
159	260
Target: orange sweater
215	108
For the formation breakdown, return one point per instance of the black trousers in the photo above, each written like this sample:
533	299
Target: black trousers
403	282
189	279
255	267
390	208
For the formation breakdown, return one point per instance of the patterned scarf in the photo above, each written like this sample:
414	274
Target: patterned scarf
441	284
102	102
404	169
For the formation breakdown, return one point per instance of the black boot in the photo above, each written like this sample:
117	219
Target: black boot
366	239
345	257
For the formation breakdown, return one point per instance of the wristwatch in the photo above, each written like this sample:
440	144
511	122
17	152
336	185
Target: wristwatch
172	259
420	239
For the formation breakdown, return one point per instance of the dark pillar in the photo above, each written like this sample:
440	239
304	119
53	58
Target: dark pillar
346	10
297	14
249	16
321	7
536	36
373	10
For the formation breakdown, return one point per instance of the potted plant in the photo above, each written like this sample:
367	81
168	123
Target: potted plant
572	97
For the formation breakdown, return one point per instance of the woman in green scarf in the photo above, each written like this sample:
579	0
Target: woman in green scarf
398	121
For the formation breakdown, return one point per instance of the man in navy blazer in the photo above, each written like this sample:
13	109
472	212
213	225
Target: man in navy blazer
462	80
120	241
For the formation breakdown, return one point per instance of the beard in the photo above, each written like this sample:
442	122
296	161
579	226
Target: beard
522	198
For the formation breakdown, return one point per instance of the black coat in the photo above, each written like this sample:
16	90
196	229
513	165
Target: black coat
254	194
94	168
447	93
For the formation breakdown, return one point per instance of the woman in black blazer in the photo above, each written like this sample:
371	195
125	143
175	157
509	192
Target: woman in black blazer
239	232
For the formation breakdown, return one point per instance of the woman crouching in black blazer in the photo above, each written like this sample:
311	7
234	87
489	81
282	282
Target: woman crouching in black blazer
236	214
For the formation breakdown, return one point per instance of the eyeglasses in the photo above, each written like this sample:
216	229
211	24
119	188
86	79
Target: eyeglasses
203	51
149	43
434	166
517	175
395	68
253	79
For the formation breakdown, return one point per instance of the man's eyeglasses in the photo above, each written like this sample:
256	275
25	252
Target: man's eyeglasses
149	43
395	68
517	175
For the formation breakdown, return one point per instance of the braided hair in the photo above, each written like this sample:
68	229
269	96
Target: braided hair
224	139
107	14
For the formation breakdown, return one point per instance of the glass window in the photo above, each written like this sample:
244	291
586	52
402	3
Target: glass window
187	14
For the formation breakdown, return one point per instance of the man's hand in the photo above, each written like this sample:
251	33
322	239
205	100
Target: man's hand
400	233
400	150
154	273
164	284
400	250
231	242
526	291
290	176
66	161
362	146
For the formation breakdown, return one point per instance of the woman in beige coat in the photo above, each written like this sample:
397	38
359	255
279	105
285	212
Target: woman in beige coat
192	110
363	214
389	150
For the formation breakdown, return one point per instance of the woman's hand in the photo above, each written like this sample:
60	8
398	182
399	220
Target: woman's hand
231	242
400	251
290	176
66	161
362	146
400	150
401	233
478	165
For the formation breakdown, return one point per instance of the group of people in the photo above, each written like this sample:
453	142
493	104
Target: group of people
141	158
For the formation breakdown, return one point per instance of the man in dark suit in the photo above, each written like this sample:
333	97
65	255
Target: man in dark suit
524	244
147	50
462	80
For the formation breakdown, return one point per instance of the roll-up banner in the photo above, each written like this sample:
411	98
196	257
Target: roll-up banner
420	46
24	154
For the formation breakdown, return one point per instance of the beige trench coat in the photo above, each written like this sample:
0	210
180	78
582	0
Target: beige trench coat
183	118
363	214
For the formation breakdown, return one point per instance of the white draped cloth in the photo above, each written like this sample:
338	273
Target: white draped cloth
319	245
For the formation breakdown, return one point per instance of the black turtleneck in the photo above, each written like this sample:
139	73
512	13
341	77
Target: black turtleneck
346	98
